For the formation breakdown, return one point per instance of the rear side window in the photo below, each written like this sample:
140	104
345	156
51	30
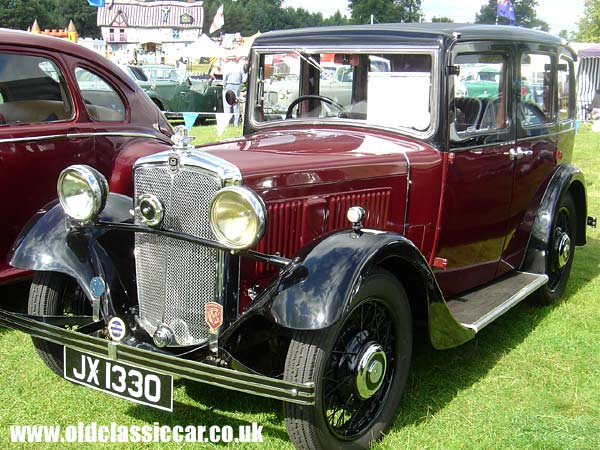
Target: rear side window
101	99
536	105
32	90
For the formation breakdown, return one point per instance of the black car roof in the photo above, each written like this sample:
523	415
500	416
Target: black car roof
399	33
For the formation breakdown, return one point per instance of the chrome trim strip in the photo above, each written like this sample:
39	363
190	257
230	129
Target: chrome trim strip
478	147
508	303
260	385
228	173
408	181
82	135
34	138
116	134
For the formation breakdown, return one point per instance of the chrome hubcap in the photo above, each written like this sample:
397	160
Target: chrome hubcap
563	249
370	371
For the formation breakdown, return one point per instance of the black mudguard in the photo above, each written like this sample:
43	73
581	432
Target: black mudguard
318	287
566	179
48	243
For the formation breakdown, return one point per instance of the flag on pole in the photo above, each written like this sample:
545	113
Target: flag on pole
96	3
505	9
218	21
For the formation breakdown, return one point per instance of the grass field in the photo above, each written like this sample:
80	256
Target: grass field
531	380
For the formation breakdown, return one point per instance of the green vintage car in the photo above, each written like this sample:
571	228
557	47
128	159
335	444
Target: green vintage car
481	81
174	92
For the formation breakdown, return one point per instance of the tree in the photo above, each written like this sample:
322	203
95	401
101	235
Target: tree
20	14
336	19
385	11
525	14
442	19
80	12
589	24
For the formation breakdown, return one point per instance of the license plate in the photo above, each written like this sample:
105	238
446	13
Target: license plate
121	380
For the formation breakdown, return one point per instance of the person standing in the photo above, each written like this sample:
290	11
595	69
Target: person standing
233	75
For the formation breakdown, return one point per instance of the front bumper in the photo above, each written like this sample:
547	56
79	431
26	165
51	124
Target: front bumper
260	385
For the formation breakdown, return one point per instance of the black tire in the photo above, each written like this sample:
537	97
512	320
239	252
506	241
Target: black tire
564	223
53	293
313	356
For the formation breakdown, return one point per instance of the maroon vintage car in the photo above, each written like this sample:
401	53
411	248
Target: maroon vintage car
292	263
61	104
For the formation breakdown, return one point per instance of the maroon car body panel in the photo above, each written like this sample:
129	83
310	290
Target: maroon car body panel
32	155
311	169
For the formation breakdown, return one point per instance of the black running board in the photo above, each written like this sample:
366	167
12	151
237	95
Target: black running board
480	307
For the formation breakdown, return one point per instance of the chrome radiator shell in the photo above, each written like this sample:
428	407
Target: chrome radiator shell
175	278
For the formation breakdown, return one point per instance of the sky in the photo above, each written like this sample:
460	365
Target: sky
560	14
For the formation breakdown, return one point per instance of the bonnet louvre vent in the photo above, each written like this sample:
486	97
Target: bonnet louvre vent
288	229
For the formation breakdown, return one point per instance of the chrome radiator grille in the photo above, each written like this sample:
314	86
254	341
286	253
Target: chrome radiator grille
175	278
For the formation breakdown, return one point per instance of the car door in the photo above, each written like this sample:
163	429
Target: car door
37	115
540	122
479	179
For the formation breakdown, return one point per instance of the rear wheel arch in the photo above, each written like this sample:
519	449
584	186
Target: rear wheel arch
577	192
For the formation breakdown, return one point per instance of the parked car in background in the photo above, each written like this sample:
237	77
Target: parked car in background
335	81
173	91
137	73
293	262
61	104
480	80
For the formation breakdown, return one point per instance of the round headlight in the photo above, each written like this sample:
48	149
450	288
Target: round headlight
82	192
237	217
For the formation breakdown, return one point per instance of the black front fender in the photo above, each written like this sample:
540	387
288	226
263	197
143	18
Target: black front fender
318	287
49	243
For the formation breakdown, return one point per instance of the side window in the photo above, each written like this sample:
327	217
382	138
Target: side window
478	106
536	105
32	90
565	108
101	100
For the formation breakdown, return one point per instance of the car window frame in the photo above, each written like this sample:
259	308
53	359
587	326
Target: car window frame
499	47
572	88
435	52
68	88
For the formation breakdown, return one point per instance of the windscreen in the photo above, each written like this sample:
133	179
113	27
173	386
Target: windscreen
392	90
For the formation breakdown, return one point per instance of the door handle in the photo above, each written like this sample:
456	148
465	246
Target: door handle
515	153
518	153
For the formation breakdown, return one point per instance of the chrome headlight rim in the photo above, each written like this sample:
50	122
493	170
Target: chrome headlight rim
98	188
258	208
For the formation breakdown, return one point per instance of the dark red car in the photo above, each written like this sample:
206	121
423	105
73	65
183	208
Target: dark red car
61	104
293	263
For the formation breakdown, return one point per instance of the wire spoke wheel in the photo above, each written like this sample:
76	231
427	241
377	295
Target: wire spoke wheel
348	413
359	366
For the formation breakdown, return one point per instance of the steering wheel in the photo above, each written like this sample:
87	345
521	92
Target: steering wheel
303	98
